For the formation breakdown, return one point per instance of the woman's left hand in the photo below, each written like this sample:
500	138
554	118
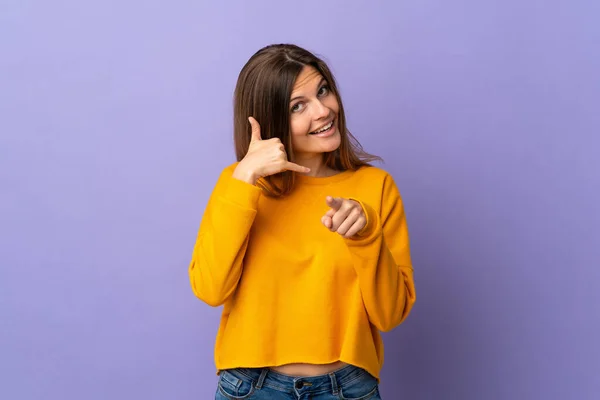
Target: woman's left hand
345	216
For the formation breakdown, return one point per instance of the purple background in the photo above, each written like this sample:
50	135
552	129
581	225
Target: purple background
115	120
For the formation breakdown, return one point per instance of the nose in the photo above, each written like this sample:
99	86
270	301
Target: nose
321	111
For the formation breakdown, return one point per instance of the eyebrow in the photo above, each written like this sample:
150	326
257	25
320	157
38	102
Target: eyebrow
319	85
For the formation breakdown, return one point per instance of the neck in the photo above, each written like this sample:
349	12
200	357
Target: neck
315	162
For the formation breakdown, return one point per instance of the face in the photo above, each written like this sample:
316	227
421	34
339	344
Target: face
313	115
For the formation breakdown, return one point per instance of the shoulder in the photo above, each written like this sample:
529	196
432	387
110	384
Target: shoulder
378	182
372	171
374	175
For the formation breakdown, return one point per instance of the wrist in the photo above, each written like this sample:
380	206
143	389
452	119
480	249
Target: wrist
244	175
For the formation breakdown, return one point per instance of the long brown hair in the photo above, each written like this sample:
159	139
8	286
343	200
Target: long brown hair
263	91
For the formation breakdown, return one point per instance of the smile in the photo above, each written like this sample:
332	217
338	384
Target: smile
323	129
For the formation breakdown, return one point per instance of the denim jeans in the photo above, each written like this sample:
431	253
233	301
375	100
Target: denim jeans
348	383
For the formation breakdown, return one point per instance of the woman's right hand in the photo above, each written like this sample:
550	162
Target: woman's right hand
264	158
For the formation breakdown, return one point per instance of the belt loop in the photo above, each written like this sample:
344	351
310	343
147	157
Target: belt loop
334	385
261	378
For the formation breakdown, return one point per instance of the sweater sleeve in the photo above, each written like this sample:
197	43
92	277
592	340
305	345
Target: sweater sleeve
381	257
222	239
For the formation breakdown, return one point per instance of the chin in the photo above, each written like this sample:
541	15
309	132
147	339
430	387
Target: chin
332	148
330	144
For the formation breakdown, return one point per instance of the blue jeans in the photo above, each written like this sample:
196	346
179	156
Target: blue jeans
348	383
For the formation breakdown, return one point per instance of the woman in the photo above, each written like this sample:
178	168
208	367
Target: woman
303	242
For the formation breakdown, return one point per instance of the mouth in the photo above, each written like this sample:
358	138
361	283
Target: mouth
323	129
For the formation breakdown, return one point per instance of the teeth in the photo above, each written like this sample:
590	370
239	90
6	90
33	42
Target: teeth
324	128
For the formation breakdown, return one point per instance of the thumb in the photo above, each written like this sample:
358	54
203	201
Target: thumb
255	130
334	202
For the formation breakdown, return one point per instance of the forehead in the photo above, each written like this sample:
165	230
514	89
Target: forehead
307	79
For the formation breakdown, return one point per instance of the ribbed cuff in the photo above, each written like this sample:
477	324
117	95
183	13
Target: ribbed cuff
372	226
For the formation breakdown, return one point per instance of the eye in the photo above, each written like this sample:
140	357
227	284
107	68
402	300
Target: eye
324	91
297	107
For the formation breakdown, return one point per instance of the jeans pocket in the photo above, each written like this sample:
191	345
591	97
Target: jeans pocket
363	387
235	386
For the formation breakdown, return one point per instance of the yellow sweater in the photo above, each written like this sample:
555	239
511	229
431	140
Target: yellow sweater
294	292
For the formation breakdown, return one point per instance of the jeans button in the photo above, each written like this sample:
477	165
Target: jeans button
299	385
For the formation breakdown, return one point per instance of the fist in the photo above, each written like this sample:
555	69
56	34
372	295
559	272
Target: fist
345	216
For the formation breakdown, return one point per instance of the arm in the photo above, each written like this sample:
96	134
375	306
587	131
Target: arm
381	256
222	239
218	256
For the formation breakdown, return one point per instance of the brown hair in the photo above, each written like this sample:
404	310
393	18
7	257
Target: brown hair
263	91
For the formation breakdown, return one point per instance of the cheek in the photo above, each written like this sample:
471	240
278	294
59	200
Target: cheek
332	103
299	127
297	134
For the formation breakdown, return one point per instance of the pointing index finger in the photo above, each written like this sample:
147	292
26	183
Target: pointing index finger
334	202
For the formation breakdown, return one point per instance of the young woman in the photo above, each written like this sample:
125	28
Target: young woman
303	242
